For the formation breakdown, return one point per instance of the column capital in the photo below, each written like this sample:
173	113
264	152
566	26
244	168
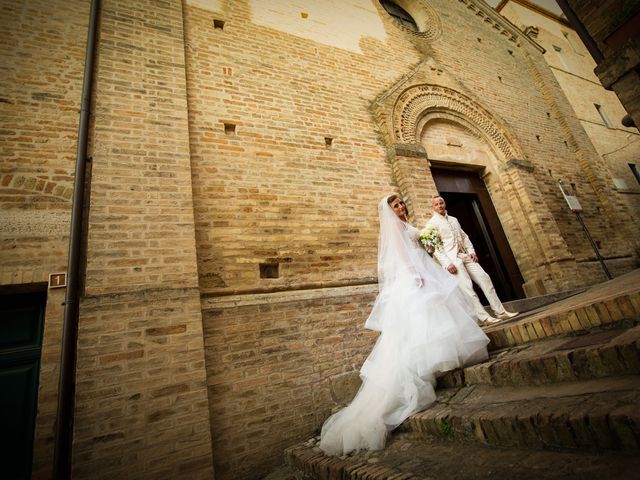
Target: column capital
407	150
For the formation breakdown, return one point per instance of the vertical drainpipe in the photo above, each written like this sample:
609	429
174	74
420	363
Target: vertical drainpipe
581	30
63	434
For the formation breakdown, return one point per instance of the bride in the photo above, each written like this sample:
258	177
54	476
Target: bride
427	327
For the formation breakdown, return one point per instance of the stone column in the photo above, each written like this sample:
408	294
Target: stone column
544	257
411	170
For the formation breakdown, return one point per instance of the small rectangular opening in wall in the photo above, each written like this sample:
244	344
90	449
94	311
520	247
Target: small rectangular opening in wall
229	128
603	115
218	24
270	270
636	171
561	57
620	184
328	141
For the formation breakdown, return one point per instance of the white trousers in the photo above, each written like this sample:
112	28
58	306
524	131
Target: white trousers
469	271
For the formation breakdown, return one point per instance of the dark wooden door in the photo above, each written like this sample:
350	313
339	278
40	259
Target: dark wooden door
469	201
21	320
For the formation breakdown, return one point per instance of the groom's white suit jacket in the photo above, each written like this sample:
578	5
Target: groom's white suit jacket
454	239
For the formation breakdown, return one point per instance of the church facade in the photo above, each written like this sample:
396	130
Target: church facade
237	151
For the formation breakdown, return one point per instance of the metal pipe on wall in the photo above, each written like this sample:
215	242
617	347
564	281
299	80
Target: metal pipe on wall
581	30
63	434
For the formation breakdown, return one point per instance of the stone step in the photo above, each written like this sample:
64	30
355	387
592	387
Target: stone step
558	398
609	303
597	414
407	456
530	304
597	354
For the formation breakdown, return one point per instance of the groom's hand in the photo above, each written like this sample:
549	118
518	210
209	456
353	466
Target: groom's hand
452	268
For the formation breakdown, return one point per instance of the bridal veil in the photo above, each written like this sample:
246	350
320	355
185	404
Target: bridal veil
426	327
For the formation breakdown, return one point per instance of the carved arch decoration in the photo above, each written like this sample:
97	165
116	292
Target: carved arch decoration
30	184
416	102
426	18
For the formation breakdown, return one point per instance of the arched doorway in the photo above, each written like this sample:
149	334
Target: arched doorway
468	200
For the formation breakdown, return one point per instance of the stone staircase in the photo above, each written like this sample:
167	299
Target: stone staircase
559	397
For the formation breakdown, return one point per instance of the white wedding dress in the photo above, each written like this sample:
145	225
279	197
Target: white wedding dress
427	327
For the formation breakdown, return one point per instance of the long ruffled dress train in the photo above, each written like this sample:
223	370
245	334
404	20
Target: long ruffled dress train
425	330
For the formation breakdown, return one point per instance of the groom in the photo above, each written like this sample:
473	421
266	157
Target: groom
458	257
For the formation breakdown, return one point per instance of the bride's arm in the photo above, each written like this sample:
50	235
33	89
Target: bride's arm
413	235
397	260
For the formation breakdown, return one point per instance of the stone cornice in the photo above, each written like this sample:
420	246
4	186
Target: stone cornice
498	22
409	150
292	295
532	6
521	164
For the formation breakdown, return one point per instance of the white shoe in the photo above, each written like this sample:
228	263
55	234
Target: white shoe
506	315
489	321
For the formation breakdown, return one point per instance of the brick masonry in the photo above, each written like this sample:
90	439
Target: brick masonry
42	64
141	400
609	24
141	403
573	67
267	141
270	369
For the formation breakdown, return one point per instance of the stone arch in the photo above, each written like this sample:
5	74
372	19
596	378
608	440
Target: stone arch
30	184
418	103
450	138
536	242
426	18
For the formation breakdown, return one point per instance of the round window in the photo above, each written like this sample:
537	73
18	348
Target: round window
400	15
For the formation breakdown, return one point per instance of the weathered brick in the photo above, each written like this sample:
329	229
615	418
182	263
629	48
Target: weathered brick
179	203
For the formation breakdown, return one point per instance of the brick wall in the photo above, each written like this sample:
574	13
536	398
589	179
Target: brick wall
517	85
142	405
573	68
42	57
446	141
609	23
270	362
141	401
268	189
216	150
274	191
42	65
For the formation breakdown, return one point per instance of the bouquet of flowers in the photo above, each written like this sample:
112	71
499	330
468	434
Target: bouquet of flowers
430	238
